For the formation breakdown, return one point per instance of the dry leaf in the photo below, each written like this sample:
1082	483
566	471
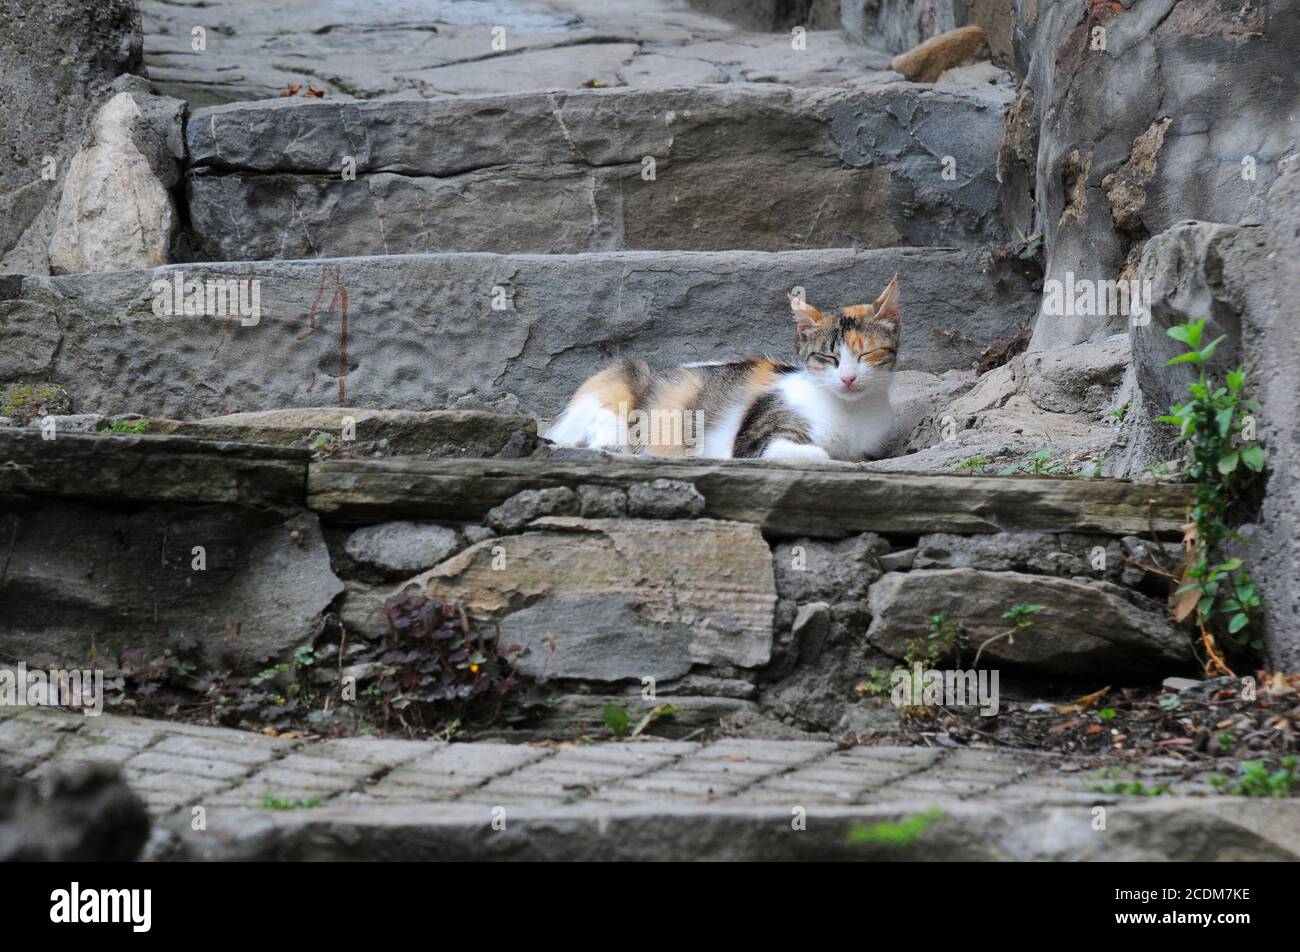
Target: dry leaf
1087	702
1183	601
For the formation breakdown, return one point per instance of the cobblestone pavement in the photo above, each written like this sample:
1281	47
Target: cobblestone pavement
268	797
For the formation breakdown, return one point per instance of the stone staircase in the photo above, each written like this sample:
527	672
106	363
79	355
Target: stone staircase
442	248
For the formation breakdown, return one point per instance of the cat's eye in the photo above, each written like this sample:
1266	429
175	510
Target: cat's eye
826	359
877	355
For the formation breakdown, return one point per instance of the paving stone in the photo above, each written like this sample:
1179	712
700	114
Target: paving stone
276	777
200	766
181	784
373	750
316	762
1015	801
207	749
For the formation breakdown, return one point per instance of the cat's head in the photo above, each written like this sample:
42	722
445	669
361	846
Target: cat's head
849	350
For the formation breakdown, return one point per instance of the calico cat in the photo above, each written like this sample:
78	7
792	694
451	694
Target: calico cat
834	406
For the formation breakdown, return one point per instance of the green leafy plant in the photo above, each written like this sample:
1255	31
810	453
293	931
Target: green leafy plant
1038	464
1135	788
972	463
617	719
1213	426
1254	779
943	637
1021	616
1107	713
902	833
272	802
135	427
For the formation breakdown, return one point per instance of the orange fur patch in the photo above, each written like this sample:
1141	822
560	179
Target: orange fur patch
610	387
761	374
857	310
679	395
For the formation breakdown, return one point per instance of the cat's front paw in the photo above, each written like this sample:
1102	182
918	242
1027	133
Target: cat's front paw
790	450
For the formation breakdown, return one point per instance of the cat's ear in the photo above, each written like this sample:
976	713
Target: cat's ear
886	307
806	317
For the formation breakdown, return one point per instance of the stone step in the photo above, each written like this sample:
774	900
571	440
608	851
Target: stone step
828	500
451	47
427	332
384	799
698	168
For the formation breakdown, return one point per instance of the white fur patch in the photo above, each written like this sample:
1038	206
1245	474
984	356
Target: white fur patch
781	448
585	422
719	440
846	429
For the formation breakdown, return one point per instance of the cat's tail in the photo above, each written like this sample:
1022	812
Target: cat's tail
597	413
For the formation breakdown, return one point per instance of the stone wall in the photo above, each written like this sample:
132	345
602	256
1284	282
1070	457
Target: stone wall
57	59
719	583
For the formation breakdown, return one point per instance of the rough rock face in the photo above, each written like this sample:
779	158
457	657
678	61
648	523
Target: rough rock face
598	171
56	59
1276	344
83	579
1064	400
1121	639
116	211
87	815
421	331
1196	270
613	600
1131	140
396	547
809	570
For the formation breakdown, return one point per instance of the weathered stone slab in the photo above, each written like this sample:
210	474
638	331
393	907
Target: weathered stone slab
420	332
1085	629
87	582
816	500
149	468
435	433
565	172
612	599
